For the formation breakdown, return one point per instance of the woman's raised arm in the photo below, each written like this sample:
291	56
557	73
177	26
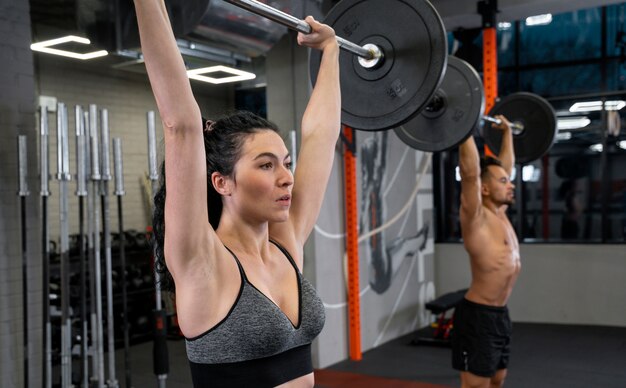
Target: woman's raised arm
320	130
186	215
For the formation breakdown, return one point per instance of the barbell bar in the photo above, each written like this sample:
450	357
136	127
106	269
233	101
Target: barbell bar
370	53
516	127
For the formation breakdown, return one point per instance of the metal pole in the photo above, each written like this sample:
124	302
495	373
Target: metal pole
521	207
22	169
81	192
371	52
119	192
605	189
45	248
160	354
294	149
95	179
63	177
106	177
91	250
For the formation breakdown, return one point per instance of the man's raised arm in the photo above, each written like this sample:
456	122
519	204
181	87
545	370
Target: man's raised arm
469	166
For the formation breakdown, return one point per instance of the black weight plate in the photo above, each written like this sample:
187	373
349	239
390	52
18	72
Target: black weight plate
451	115
413	39
538	118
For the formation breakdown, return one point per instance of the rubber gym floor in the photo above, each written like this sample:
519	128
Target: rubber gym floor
542	355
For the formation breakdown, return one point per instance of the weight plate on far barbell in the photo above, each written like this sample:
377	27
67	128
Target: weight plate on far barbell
414	42
539	121
451	115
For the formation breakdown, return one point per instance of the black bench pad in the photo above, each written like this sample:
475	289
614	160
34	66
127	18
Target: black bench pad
445	302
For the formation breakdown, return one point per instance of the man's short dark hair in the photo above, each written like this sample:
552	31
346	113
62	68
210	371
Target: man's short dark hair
484	166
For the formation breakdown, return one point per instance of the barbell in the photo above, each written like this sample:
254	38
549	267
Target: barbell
397	67
395	79
457	107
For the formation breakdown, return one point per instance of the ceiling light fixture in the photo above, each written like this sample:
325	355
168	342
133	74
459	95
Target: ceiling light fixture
539	20
46	47
596	147
589	106
573	122
237	75
622	144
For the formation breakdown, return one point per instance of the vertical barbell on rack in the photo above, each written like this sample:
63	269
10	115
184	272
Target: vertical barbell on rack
45	248
96	176
160	353
119	192
63	176
81	192
22	171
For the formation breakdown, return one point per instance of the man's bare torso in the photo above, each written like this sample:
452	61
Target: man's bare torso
494	258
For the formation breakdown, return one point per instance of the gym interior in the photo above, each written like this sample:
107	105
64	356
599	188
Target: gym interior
76	270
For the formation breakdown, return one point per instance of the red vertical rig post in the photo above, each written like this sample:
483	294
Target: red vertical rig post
352	244
490	71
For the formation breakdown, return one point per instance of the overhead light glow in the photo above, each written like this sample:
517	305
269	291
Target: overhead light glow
504	25
573	122
563	136
596	147
530	173
590	106
46	47
539	20
622	144
237	75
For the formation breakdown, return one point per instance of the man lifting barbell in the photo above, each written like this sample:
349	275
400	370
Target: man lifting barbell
482	327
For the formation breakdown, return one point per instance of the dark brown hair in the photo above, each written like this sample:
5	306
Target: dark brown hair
223	140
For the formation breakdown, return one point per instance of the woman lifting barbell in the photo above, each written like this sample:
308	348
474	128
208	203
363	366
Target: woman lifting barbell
247	313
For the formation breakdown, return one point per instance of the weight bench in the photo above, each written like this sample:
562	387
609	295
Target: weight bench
438	333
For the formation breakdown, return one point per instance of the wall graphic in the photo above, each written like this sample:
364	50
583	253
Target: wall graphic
396	247
385	257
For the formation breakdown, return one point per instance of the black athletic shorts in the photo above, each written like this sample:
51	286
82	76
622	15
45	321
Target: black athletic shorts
481	337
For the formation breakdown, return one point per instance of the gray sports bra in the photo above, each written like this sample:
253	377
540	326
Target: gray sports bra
256	339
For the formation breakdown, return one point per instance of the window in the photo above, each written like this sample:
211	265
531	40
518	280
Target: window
577	192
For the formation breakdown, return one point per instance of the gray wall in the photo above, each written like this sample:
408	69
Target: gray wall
17	117
400	308
567	284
